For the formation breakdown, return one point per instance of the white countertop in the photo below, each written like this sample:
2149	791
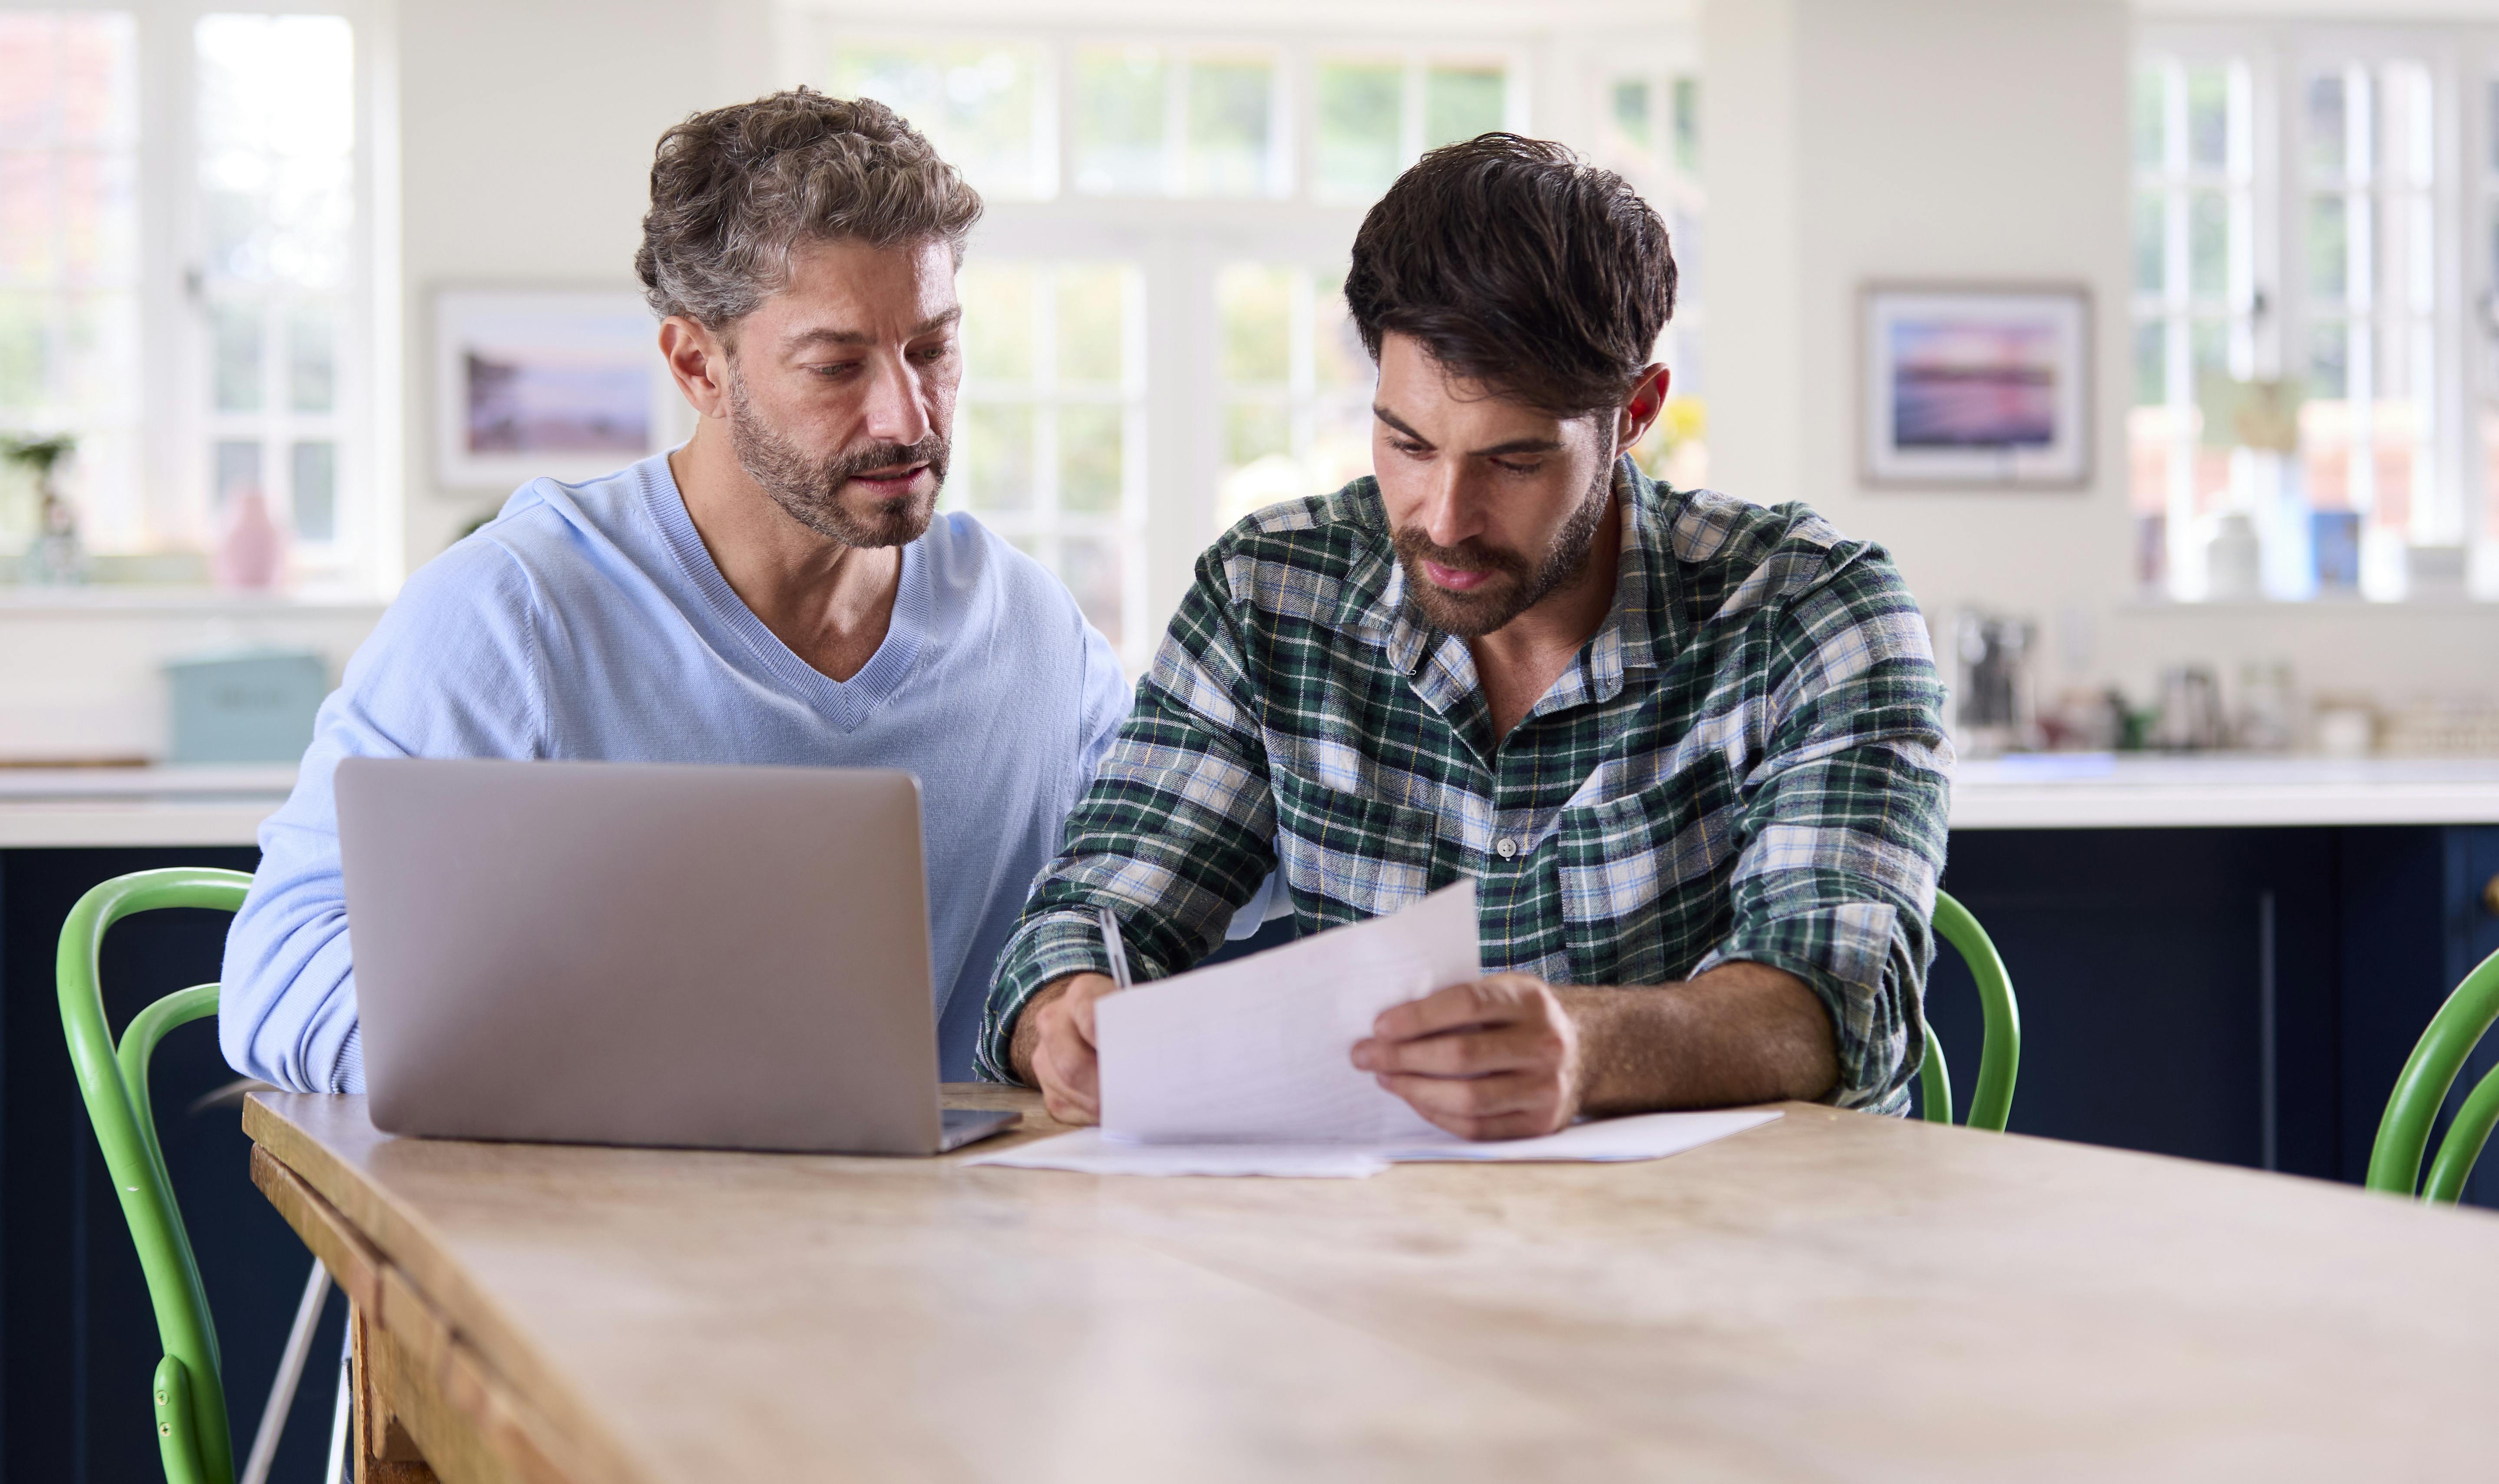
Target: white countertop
195	805
202	805
2097	791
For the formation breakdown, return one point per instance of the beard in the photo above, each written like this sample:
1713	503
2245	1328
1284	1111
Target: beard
810	490
1518	583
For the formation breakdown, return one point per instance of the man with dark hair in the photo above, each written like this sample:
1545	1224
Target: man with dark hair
775	590
1690	748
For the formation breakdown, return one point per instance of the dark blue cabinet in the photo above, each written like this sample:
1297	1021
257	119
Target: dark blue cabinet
78	1339
2240	995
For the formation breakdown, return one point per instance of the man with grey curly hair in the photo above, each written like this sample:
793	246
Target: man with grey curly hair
777	589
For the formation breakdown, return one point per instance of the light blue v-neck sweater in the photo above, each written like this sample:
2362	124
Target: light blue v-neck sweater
587	622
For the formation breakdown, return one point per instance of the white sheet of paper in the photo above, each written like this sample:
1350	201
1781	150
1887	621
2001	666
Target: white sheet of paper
1259	1050
1643	1135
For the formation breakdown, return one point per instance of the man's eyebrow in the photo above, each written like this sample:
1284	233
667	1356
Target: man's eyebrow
823	337
1496	451
1398	422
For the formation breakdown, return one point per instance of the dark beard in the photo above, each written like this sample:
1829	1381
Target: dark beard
810	492
1470	615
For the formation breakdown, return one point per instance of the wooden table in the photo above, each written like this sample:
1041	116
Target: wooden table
1831	1297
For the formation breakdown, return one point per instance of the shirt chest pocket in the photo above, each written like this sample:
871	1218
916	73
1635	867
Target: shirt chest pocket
1348	857
1644	877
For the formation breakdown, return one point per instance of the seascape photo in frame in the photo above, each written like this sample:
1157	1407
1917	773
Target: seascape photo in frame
563	383
1976	386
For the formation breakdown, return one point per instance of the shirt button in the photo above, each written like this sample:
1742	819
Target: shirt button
1507	847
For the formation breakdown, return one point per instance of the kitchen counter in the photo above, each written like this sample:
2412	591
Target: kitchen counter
201	804
2099	791
224	805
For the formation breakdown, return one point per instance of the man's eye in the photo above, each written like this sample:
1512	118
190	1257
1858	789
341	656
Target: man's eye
938	353
1518	469
833	369
1410	448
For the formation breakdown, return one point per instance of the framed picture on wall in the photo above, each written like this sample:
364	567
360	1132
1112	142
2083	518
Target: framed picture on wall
531	382
1976	386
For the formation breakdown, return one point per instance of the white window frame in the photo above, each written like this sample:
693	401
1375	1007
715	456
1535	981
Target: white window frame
178	426
1181	241
2461	60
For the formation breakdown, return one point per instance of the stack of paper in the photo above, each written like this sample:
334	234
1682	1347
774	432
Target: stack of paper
1246	1068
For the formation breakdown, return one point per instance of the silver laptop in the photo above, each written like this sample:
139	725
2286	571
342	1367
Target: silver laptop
708	958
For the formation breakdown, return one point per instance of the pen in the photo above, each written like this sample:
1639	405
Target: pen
1118	953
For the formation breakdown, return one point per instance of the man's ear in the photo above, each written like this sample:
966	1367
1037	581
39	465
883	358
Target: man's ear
1640	408
699	359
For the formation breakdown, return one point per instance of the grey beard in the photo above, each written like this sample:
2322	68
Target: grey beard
810	491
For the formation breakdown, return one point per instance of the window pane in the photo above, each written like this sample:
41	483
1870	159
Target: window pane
2208	118
2150	241
1254	305
977	102
2208	245
2150	364
1687	125
316	491
2490	115
311	359
1460	102
1358	106
69	321
997	457
997	323
1092	324
1631	117
2328	250
276	134
1092	568
2328	126
1338	358
2406	148
1089	459
237	470
234	341
2151	116
2329	361
1254	431
1120	112
1229	127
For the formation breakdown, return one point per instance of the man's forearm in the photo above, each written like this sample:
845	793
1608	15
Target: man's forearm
1741	1033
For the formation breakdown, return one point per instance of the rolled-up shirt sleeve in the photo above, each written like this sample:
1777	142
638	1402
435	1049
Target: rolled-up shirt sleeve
1843	821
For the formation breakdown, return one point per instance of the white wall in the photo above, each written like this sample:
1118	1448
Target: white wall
1855	140
526	130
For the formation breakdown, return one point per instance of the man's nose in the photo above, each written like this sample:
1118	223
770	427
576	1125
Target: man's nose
1450	513
894	411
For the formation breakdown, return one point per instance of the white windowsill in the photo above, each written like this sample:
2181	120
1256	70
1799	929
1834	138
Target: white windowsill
107	600
2325	607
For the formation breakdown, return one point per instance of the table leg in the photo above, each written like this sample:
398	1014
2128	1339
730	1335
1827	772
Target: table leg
384	1452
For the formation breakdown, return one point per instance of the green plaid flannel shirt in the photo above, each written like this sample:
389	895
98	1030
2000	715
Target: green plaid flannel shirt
1747	761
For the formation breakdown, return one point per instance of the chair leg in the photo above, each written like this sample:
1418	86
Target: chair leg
290	1372
339	1419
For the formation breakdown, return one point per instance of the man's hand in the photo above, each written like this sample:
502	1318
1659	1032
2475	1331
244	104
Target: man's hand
1498	1058
1054	1047
1510	1056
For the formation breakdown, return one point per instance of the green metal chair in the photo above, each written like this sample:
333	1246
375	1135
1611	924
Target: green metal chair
189	1387
2000	1053
2403	1130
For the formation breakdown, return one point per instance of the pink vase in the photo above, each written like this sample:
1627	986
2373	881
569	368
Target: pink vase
252	551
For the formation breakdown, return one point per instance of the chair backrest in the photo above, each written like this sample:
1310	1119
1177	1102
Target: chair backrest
189	1392
2403	1130
1999	1051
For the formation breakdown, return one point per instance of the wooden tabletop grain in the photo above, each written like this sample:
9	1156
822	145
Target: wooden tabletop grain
1832	1296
